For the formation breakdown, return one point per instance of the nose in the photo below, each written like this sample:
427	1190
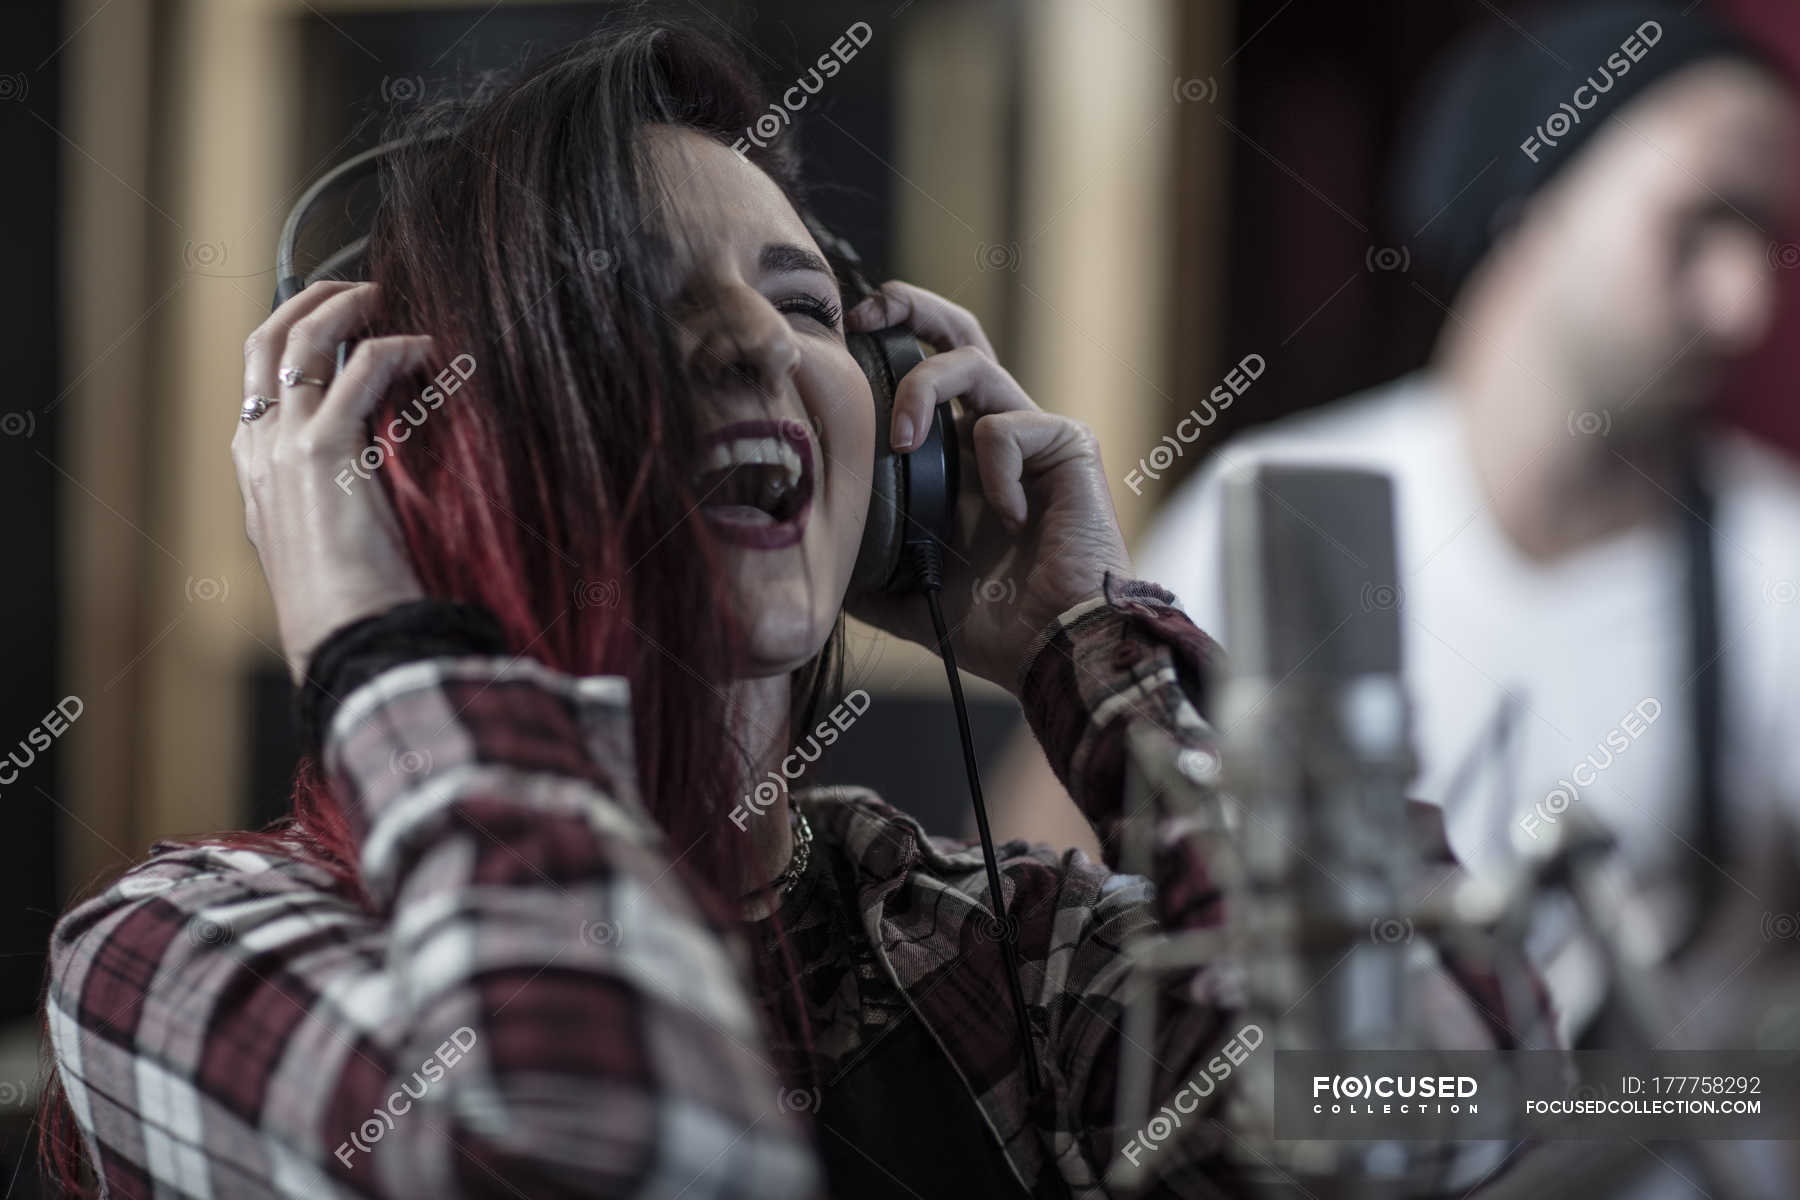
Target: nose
742	340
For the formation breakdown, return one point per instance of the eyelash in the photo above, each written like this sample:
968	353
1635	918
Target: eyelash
822	311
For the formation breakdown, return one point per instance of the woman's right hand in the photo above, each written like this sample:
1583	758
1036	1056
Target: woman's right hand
329	544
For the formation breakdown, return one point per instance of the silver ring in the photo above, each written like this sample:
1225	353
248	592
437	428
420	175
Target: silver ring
256	406
291	376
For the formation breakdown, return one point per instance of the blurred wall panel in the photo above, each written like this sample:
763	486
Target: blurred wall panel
1101	100
112	309
954	84
30	113
227	131
955	73
1195	300
1317	276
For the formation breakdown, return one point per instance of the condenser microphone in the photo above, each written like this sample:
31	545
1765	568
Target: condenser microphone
1317	738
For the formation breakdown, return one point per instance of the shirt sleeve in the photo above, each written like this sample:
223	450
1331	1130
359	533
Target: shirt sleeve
1105	668
530	1003
1127	656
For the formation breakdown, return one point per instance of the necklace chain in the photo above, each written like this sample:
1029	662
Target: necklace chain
798	858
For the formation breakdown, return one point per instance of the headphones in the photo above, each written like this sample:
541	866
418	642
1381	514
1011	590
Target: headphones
912	496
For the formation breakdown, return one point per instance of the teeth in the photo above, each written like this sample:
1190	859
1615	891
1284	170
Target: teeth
766	450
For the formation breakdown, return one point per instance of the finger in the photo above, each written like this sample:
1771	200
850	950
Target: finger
983	384
373	366
313	341
249	462
943	325
1011	445
869	314
262	349
240	464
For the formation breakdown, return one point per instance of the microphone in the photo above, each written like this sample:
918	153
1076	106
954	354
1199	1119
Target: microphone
1308	839
1317	742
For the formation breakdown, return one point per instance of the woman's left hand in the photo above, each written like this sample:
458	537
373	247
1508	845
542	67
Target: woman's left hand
1036	531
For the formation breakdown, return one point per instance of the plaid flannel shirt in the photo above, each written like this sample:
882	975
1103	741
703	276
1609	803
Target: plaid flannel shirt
537	1008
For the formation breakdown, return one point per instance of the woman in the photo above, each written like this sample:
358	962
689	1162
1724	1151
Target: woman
511	942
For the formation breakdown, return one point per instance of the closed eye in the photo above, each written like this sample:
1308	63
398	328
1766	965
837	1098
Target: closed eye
822	311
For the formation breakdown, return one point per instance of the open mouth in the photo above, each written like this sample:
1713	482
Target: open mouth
755	482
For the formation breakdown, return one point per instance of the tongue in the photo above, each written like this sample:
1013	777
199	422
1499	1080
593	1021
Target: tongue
754	486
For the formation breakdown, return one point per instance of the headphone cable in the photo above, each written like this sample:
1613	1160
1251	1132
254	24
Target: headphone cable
927	567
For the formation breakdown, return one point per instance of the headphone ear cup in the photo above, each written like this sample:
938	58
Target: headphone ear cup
878	558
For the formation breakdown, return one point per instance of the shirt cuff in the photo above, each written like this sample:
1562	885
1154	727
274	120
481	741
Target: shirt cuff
356	653
1115	590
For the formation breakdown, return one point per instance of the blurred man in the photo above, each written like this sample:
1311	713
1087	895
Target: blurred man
1601	204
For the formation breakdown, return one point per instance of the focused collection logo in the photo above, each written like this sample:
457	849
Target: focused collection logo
1399	1095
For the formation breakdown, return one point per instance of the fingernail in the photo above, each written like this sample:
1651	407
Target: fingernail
903	432
865	311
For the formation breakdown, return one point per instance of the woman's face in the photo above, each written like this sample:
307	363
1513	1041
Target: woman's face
788	428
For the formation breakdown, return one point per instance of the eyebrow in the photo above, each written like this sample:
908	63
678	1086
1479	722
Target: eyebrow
776	258
783	256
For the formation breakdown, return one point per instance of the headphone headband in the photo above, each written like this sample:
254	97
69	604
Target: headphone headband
288	282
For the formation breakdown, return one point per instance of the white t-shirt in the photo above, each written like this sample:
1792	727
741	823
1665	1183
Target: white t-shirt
1584	643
